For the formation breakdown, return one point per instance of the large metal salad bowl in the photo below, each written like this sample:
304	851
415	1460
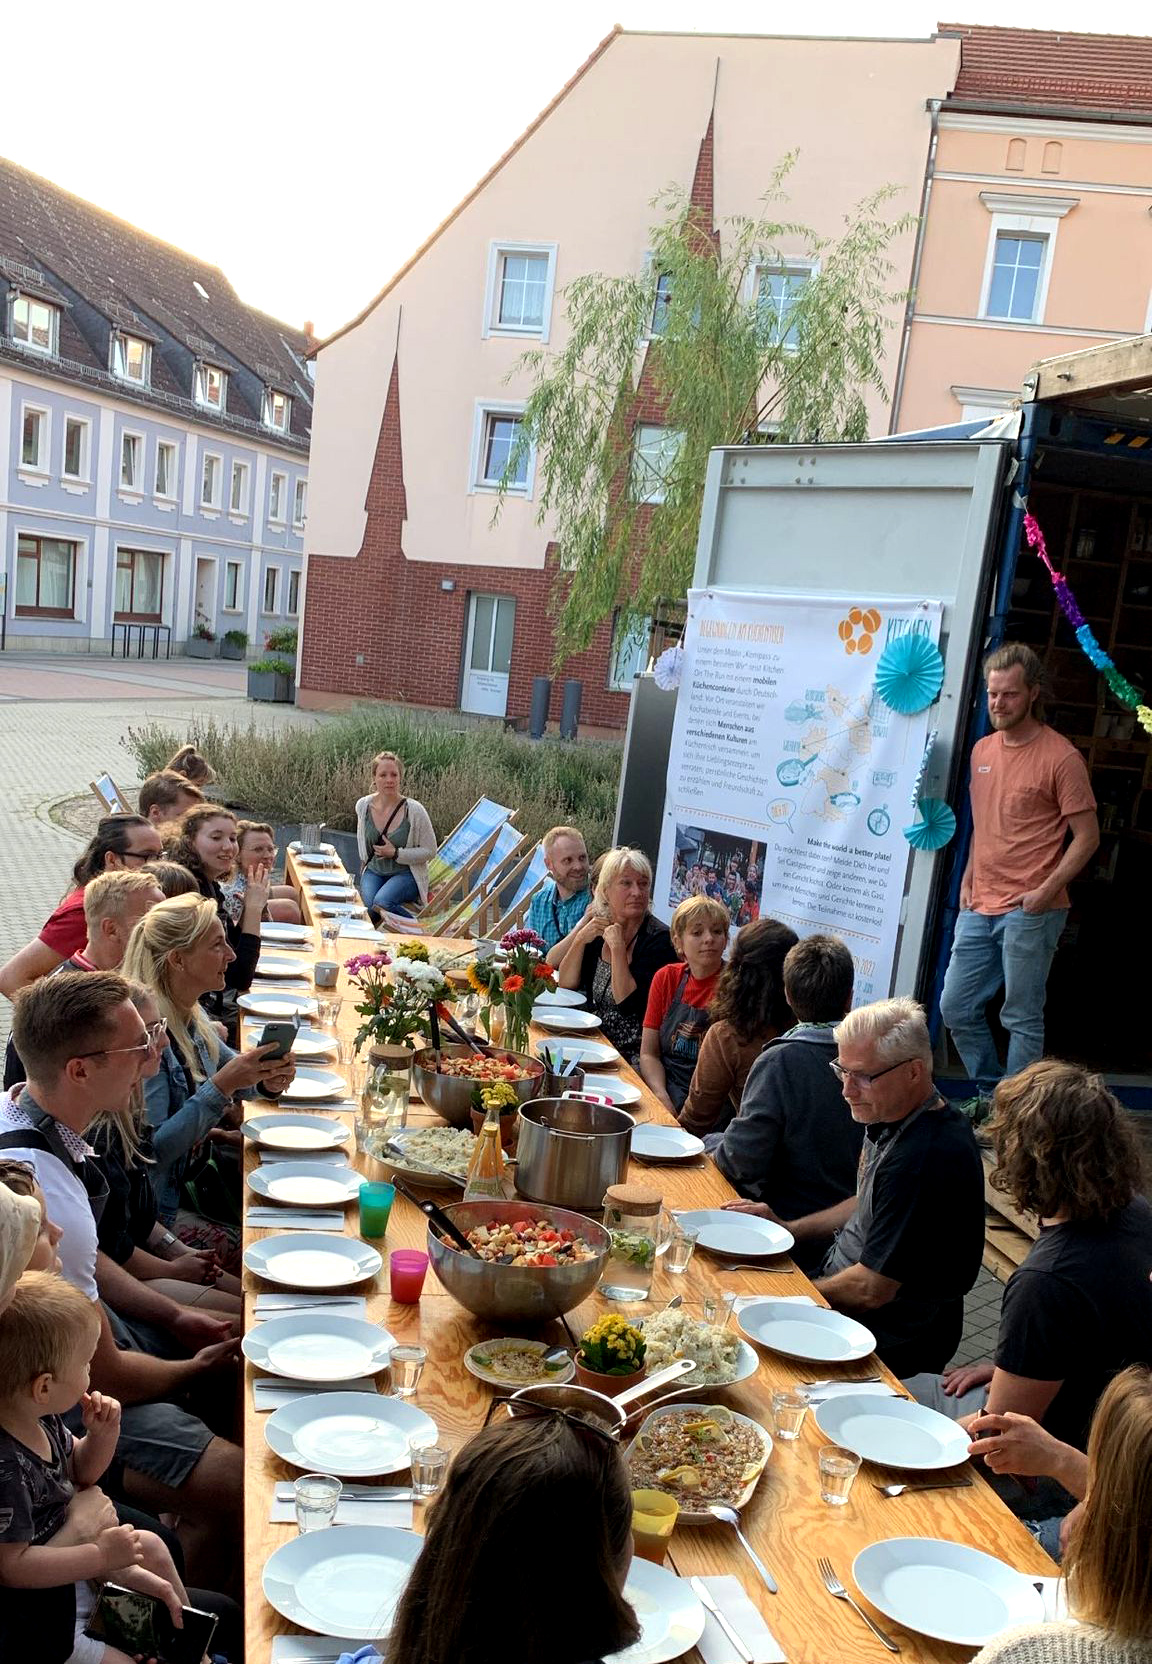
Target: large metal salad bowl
451	1095
515	1293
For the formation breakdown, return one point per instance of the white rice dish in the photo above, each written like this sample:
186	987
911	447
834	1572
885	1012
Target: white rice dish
673	1334
448	1148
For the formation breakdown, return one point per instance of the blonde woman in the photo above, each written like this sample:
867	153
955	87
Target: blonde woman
180	952
395	839
617	948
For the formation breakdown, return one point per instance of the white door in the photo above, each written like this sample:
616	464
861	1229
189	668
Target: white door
488	653
204	611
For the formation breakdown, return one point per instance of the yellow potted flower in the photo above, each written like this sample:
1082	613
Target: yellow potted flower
611	1356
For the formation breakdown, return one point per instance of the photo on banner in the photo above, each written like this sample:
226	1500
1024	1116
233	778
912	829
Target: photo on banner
789	779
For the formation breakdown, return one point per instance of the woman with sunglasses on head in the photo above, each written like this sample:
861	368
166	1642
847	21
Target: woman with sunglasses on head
546	1497
121	843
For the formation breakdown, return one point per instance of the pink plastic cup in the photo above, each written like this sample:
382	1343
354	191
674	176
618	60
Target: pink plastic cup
406	1270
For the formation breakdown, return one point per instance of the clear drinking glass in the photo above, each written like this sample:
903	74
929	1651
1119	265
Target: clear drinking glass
328	1012
789	1407
681	1247
429	1465
330	937
407	1366
838	1468
317	1498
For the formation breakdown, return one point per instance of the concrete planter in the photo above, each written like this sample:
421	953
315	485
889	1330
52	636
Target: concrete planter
197	648
270	688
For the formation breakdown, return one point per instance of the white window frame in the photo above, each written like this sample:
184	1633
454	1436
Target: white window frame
789	265
654	493
200	387
484	408
136	488
84	423
1016	215
236	566
171	495
271	394
43	463
618	683
52	350
497	251
272	611
982	403
243	472
300	504
119	357
214	502
277	489
292	599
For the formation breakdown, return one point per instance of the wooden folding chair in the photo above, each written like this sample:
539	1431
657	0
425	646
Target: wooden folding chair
454	869
455	919
112	799
513	895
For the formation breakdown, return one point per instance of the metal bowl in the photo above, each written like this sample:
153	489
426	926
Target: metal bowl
451	1095
517	1293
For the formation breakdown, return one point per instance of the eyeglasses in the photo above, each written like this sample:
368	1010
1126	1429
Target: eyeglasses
519	1407
116	1051
157	1033
143	856
843	1074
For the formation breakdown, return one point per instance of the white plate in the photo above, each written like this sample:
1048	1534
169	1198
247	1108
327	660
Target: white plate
306	1184
274	965
332	892
345	1581
424	1176
809	1332
339	909
350	1434
286	935
945	1590
738	1236
565	1021
658	1142
311	1084
323	857
318	1346
747	1363
277	1005
562	997
621	1092
312	1259
313	1042
510	1383
296	1132
671	1617
597	1052
896	1432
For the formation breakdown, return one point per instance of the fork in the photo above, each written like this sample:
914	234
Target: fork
774	1270
834	1587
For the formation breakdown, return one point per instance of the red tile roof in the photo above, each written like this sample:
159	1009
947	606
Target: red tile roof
1029	68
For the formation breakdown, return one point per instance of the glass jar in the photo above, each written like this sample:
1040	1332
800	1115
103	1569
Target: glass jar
384	1099
632	1219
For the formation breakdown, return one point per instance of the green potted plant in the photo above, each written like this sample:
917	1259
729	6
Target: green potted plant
611	1355
284	640
201	644
272	681
234	645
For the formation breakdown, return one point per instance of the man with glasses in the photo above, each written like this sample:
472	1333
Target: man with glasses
85	1044
908	1245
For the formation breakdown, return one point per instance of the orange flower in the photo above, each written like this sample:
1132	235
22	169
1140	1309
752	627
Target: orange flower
543	969
513	984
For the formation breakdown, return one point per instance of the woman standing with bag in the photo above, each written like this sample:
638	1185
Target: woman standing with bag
395	839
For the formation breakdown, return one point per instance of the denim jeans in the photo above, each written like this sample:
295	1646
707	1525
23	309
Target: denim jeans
389	891
991	951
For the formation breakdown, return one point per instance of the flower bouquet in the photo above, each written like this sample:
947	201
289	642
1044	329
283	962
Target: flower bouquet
513	986
396	995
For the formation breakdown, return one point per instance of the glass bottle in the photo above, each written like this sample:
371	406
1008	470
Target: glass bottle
486	1173
632	1219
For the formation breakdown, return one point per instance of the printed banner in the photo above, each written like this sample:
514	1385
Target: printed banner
789	778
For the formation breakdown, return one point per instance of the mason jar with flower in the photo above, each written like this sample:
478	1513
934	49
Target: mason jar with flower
512	987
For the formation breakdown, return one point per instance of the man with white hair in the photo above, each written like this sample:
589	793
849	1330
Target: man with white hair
908	1245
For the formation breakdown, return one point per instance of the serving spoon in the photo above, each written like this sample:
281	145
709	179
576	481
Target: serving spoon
729	1516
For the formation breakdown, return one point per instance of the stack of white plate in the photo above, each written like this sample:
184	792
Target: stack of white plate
315	1086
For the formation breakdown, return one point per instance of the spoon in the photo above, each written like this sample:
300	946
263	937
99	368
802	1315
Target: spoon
729	1516
935	1485
554	1355
675	1303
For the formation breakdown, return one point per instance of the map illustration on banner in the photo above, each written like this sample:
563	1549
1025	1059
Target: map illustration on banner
789	777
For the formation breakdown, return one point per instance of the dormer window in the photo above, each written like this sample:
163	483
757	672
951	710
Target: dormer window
131	359
35	324
277	410
211	388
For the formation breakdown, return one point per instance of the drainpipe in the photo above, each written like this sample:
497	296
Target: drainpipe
933	108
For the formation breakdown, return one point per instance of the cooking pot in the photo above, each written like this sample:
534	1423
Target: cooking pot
570	1150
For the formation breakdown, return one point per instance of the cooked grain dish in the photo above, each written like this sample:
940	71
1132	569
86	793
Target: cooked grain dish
697	1458
673	1334
517	1361
448	1148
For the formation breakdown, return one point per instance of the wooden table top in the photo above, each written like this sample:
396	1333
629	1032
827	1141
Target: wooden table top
786	1521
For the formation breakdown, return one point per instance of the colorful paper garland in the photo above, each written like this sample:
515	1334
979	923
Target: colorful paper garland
910	673
1120	685
936	826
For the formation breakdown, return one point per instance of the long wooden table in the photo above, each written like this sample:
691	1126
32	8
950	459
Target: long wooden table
785	1520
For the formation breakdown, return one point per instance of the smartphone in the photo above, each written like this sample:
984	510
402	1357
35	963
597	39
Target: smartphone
139	1623
280	1035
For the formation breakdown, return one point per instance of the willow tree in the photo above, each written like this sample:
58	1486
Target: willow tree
729	340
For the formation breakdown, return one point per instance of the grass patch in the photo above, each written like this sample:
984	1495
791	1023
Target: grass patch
316	774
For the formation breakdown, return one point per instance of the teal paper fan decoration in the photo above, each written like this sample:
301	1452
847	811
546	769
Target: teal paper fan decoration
936	825
910	673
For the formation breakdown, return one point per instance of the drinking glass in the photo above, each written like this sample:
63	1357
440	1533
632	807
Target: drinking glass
654	1515
789	1407
429	1464
376	1198
838	1468
330	937
407	1268
681	1247
328	1012
709	1309
317	1498
407	1366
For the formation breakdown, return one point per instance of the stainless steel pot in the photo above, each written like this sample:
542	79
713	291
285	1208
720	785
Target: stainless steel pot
570	1151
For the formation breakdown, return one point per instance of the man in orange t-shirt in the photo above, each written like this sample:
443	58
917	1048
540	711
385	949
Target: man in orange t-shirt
1030	790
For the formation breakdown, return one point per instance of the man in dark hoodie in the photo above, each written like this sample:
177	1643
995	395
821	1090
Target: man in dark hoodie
794	1148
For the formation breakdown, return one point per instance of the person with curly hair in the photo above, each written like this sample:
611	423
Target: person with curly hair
1079	1308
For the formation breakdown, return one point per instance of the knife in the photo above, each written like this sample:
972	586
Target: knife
706	1597
358	1493
840	1381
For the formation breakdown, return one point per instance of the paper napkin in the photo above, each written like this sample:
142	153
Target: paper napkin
272	1395
325	1158
714	1645
311	1649
294	1219
314	1305
351	1511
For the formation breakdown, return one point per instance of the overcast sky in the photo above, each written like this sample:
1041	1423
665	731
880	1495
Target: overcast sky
308	149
